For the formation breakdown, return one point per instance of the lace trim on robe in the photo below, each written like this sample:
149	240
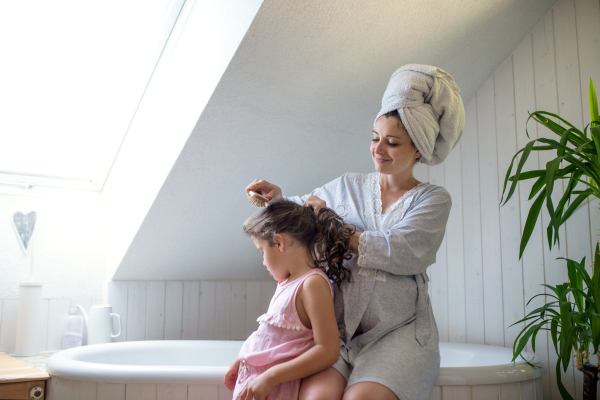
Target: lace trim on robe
374	219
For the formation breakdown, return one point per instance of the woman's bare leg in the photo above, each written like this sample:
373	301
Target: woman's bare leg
328	384
369	391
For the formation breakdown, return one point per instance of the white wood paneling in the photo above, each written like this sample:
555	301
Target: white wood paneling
85	390
43	324
117	299
111	391
267	290
173	310
436	393
490	219
472	227
171	392
253	310
527	390
224	393
510	391
206	328
8	329
547	99
455	250
136	310
223	311
506	139
59	389
533	256
191	303
155	310
485	392
438	272
238	310
58	309
140	391
577	230
456	392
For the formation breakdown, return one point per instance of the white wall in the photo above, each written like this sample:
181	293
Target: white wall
479	286
67	248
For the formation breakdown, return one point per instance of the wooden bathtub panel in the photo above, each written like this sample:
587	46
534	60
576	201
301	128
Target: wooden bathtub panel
510	391
528	390
85	390
59	389
436	393
539	393
140	391
224	393
171	392
456	392
203	392
485	392
111	391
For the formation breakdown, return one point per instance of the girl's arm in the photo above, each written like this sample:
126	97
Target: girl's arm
315	297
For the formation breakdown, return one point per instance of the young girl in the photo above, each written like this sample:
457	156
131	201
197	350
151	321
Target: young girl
298	336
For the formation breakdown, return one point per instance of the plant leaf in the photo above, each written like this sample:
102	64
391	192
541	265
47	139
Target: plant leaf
532	217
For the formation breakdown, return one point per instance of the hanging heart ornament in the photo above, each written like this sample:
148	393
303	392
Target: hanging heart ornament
24	225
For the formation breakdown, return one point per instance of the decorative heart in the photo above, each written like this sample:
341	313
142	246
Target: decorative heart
24	225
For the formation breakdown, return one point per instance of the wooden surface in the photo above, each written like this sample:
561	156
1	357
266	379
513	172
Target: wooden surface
19	390
13	370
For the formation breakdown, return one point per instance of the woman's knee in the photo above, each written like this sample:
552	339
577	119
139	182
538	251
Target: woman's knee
325	385
370	391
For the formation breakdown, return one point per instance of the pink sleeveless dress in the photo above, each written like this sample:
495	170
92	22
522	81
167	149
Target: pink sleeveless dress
280	337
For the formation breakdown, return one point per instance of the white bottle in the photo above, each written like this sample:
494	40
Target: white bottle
73	329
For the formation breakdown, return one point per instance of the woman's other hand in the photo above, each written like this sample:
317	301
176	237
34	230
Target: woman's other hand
315	202
271	191
232	374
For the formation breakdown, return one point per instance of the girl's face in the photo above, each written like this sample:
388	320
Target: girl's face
273	258
391	148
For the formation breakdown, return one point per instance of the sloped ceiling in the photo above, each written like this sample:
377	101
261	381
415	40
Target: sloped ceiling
296	107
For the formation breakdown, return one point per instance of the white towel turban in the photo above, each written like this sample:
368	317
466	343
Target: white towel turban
430	108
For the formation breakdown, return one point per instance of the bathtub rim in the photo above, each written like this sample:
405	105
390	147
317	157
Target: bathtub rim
63	366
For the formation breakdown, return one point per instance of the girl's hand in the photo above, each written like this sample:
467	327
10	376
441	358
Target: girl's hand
258	388
315	202
232	374
271	191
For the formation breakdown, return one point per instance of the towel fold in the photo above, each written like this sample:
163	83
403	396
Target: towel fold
430	108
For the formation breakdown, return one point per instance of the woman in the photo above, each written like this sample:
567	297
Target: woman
388	336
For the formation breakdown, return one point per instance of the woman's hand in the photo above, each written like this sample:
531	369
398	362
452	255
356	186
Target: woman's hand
258	388
271	191
315	202
232	374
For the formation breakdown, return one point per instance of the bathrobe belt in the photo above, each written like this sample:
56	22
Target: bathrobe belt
422	328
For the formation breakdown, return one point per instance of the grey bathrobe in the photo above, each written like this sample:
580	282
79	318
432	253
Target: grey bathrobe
387	295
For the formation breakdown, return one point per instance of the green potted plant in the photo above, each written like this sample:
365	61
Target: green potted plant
572	314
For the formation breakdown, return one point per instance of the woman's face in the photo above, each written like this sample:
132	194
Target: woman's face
391	148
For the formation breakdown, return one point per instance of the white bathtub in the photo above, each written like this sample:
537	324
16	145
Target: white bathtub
193	370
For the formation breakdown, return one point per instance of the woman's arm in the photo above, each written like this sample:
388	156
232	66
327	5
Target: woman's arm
316	299
410	246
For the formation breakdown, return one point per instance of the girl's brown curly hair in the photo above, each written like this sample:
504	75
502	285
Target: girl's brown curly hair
325	234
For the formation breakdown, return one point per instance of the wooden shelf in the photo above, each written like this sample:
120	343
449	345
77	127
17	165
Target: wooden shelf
17	378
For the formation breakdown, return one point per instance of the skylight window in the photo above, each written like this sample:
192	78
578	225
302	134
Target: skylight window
71	78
